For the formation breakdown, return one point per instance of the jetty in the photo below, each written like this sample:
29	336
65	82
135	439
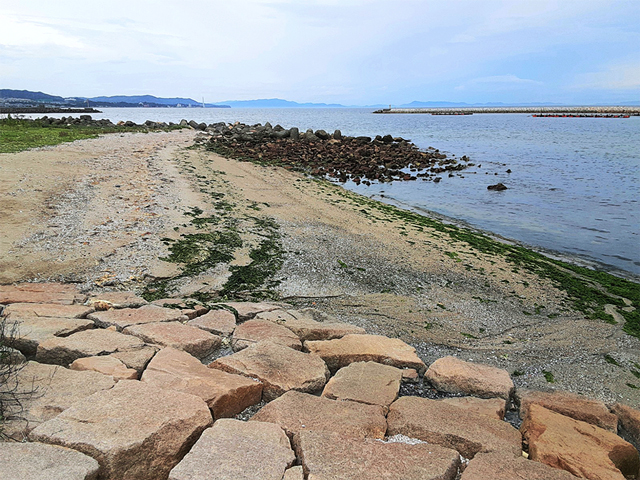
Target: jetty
626	110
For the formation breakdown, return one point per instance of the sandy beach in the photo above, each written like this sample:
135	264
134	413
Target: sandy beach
95	212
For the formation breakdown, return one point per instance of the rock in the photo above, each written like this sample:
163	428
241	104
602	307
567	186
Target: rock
174	334
449	426
570	405
296	412
496	466
62	293
328	456
248	310
629	421
134	431
341	352
365	382
294	133
107	365
225	394
11	356
337	135
30	332
490	407
279	368
88	343
125	317
322	135
410	375
253	331
450	374
119	299
235	450
39	310
294	473
219	322
136	359
310	324
497	187
39	461
47	390
580	448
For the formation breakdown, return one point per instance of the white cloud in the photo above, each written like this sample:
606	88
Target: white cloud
622	76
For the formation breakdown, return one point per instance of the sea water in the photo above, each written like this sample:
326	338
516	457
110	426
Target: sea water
574	185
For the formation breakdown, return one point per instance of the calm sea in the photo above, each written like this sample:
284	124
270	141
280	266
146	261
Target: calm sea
574	185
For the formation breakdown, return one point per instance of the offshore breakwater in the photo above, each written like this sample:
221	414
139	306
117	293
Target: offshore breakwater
635	111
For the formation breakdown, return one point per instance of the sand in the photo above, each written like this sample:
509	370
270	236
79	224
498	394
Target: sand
94	212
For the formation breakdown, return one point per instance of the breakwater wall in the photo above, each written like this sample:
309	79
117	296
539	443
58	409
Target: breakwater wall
468	110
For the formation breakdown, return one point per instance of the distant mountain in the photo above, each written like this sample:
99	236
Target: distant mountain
277	103
145	99
28	95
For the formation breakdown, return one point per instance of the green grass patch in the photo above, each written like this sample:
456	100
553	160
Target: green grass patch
548	376
609	359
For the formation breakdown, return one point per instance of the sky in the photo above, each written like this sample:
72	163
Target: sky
353	52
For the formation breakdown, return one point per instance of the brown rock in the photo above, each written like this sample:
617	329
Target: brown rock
219	322
136	359
254	331
328	456
54	390
177	335
62	293
118	299
364	348
629	421
452	427
279	368
125	317
11	356
134	431
248	310
226	394
296	412
311	324
30	332
490	407
583	449
410	375
365	382
450	374
170	302
570	405
29	310
294	473
89	343
497	466
107	365
235	450
39	461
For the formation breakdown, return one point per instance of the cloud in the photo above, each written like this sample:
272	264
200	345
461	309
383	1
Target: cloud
622	76
498	81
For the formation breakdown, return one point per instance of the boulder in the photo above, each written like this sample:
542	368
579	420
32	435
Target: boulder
219	322
490	407
62	293
294	473
496	466
279	368
296	412
450	374
570	405
235	450
39	310
497	187
311	324
136	359
248	310
225	394
580	448
134	431
629	421
449	426
352	348
177	335
45	391
328	456
118	299
410	375
39	461
88	343
30	332
125	317
107	365
365	382
11	356
254	331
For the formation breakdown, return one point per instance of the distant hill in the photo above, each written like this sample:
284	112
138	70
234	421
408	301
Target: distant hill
135	99
28	95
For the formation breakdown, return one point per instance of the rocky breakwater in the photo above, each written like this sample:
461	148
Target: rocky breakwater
179	390
360	159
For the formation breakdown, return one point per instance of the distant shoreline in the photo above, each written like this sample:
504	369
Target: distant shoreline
9	110
469	110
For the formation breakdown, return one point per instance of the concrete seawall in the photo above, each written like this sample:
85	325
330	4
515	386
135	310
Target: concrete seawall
468	110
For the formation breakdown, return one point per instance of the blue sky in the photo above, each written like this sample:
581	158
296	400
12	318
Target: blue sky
343	51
